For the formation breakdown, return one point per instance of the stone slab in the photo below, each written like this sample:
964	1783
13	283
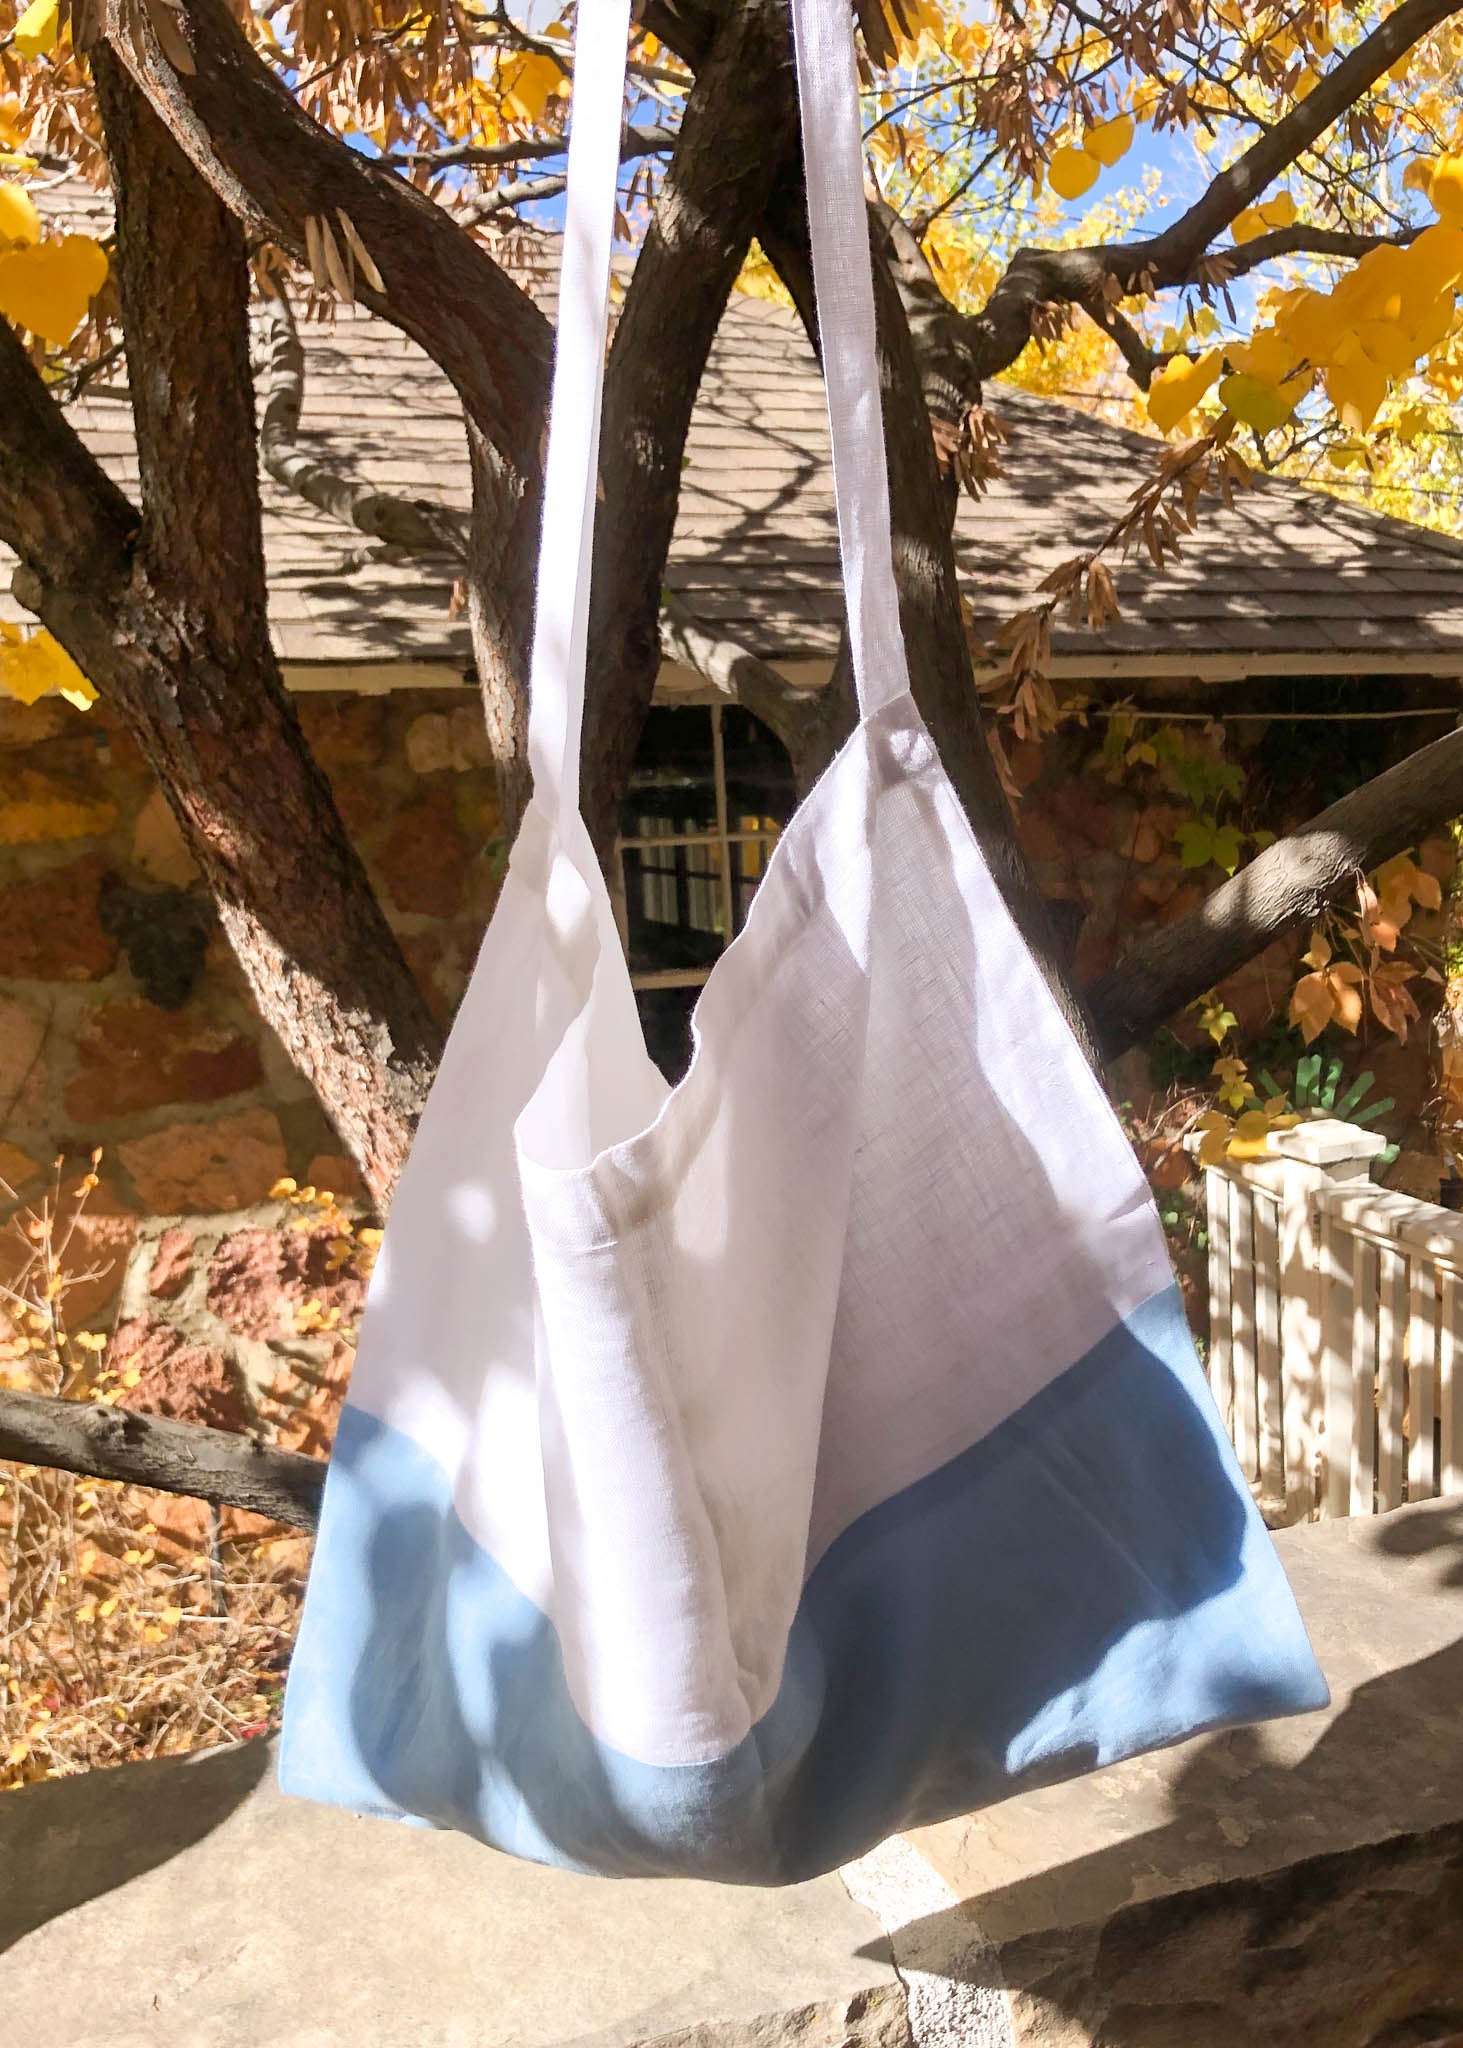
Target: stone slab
189	1904
1363	1949
1382	1597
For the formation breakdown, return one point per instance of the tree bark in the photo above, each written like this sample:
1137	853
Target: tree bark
1282	887
167	615
171	1457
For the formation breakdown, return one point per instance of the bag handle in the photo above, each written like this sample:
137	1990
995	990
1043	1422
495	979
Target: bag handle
844	288
571	470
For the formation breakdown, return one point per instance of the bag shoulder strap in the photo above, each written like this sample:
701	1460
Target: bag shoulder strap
843	284
844	289
571	470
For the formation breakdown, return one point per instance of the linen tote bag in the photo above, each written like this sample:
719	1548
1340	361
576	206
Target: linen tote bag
737	1472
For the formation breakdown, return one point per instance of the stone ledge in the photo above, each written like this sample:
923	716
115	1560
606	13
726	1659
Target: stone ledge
189	1904
1299	1882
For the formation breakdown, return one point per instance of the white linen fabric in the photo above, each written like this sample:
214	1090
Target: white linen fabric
735	1472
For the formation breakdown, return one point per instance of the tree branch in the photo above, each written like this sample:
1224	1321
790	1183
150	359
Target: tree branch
807	722
968	349
1175	252
638	142
274	168
923	502
1282	887
169	1457
1301	240
277	170
406	526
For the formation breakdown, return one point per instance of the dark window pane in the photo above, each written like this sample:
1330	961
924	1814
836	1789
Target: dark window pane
674	912
673	775
758	772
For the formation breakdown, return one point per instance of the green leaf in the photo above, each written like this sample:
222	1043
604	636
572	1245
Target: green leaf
1354	1093
1373	1110
1195	842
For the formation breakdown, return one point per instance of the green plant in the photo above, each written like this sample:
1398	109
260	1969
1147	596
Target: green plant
1318	1090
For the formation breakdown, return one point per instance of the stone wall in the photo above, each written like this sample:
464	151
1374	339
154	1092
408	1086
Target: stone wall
125	1024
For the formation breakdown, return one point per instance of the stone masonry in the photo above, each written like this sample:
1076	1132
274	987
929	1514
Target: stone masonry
125	1023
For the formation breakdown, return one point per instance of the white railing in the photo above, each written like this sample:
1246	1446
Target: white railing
1336	1328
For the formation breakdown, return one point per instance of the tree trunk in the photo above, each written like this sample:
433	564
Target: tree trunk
175	631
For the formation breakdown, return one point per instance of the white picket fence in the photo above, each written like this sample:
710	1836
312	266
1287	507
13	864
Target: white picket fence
1336	1328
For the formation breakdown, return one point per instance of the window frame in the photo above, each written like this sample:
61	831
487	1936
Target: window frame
720	836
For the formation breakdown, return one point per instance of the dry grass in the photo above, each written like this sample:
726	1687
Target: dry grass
119	1638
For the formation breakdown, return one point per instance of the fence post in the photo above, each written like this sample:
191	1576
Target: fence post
1322	1152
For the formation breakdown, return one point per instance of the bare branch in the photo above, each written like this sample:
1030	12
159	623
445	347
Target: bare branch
732	145
521	192
1301	240
1174	253
807	722
639	142
1282	887
407	526
170	1457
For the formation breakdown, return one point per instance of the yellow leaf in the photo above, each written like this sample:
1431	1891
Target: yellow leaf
34	665
171	1616
1179	386
1258	405
1311	1006
1307	322
529	85
19	221
1110	140
108	1607
48	287
1249	1148
1389	345
1445	189
1253	1124
1072	172
37	30
18	1753
1418	175
1215	1148
1356	387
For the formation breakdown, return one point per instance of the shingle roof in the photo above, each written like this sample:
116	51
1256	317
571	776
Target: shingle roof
1287	577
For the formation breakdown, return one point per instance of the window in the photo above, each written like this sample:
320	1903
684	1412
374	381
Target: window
711	791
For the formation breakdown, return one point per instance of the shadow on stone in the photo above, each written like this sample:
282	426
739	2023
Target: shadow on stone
73	1839
1150	1943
